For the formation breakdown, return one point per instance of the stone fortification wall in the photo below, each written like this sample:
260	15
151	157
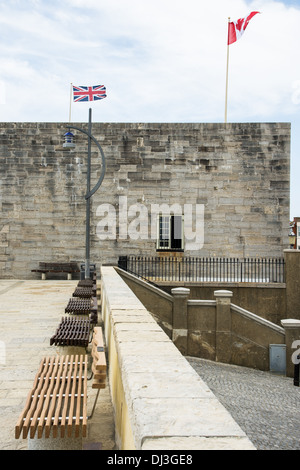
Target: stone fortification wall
238	173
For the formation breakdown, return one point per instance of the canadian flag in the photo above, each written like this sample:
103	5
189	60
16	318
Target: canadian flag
236	28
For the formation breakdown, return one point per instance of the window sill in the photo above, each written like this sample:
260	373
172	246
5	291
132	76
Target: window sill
169	250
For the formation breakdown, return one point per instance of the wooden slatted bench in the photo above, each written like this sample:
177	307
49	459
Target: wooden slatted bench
58	398
83	306
68	268
78	306
86	283
72	331
84	292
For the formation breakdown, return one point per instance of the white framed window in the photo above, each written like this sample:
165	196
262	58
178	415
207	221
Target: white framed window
170	233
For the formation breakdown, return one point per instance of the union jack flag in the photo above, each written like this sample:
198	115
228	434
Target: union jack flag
88	93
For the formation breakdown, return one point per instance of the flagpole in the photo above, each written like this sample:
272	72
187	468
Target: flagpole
226	92
71	87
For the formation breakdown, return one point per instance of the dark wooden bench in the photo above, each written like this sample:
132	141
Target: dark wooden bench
79	306
72	331
58	398
86	283
68	268
82	306
84	292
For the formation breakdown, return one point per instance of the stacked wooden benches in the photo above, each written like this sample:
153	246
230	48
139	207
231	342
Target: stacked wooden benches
58	398
69	268
75	330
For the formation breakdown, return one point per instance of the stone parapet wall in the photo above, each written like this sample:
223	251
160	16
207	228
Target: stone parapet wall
239	173
160	402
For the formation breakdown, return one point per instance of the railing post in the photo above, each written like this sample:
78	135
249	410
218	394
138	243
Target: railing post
180	320
223	325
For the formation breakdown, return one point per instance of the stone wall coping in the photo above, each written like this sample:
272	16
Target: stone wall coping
180	291
290	323
136	279
223	293
165	398
261	285
203	303
257	318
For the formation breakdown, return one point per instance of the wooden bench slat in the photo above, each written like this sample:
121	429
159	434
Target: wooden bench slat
65	407
84	406
70	420
46	400
78	407
59	403
58	385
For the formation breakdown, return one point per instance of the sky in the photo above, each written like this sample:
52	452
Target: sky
160	61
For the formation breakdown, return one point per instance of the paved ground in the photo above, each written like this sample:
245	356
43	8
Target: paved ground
265	405
30	312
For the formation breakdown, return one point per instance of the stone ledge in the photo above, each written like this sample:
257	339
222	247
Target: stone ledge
166	402
196	442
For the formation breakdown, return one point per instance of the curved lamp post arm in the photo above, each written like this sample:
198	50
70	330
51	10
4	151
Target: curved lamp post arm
97	186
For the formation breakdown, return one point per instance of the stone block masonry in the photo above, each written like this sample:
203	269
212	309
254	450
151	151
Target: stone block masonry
239	172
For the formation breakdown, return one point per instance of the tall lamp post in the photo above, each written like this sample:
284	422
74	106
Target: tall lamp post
69	143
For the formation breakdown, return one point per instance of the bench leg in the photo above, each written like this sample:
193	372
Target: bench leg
69	276
43	276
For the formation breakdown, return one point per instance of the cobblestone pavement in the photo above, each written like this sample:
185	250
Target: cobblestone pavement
265	405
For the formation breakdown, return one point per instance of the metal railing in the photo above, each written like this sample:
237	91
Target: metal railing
194	269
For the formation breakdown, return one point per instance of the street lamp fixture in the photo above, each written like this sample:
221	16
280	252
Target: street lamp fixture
69	143
69	140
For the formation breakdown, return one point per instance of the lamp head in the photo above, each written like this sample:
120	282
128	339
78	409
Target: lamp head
69	140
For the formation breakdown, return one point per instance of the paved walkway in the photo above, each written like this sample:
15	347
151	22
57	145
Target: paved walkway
265	405
30	312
